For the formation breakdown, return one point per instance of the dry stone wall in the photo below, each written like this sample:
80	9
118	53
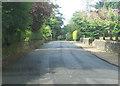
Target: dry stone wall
113	46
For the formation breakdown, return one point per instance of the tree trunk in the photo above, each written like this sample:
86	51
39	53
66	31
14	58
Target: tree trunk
111	35
104	36
116	37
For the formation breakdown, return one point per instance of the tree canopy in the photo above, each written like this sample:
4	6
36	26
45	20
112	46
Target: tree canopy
24	21
94	24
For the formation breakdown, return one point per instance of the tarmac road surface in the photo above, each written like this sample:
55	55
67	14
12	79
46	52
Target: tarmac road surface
60	62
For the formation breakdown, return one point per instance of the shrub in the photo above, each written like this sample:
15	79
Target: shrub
59	37
75	35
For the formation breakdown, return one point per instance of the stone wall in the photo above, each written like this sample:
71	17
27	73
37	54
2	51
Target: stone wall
113	46
86	41
19	49
99	44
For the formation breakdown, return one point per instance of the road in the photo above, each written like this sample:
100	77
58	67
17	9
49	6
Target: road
60	62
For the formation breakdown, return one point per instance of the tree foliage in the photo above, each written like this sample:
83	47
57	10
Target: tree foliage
40	12
24	21
55	22
94	24
100	4
15	20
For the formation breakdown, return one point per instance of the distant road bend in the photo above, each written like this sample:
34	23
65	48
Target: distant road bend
60	62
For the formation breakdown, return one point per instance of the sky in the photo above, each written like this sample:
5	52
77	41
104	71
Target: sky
68	7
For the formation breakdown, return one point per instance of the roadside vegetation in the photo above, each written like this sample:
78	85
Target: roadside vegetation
25	22
28	21
102	22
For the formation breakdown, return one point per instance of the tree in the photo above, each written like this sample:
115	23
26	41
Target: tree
15	20
40	12
101	4
96	24
55	22
114	26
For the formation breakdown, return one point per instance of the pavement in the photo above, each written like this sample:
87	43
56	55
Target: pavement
101	54
60	62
